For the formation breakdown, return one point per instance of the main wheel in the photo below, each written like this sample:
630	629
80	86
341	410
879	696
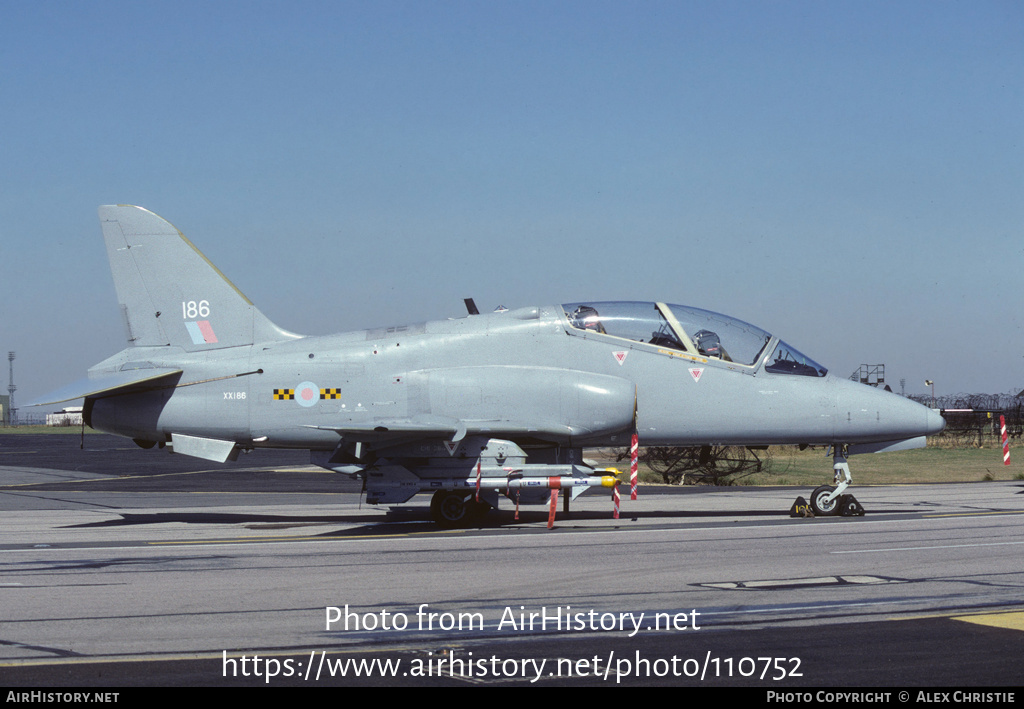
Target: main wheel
452	508
819	503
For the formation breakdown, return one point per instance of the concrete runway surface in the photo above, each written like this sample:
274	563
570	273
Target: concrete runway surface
122	567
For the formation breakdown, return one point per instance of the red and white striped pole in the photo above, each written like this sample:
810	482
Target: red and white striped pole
634	453
1006	442
615	500
478	481
634	447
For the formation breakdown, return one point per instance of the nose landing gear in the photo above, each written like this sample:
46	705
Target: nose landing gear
830	500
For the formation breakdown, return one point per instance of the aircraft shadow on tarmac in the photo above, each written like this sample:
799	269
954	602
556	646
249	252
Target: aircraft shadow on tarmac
405	520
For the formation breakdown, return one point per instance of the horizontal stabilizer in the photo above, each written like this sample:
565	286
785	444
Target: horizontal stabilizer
111	384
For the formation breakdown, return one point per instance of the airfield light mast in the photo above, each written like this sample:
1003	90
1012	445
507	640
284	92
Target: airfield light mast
13	417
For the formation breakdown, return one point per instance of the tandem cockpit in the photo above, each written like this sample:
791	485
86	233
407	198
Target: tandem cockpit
701	333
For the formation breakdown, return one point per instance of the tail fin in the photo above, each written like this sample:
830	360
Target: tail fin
170	294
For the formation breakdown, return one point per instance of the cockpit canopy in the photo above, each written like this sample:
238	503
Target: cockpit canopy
692	330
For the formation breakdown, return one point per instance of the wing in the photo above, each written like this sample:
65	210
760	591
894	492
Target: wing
437	427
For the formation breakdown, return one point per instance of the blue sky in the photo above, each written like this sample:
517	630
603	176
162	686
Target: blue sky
849	176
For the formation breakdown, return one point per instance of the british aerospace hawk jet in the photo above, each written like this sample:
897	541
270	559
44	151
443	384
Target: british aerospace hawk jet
469	409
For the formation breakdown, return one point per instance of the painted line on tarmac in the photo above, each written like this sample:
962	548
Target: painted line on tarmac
339	538
299	652
1011	621
975	514
938	546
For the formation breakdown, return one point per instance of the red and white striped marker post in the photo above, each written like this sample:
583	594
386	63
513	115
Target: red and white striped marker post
615	500
634	448
1006	442
478	481
554	506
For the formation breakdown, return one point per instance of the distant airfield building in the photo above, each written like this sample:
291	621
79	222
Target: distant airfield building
4	410
69	416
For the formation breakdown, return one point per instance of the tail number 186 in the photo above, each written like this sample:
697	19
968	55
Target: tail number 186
191	310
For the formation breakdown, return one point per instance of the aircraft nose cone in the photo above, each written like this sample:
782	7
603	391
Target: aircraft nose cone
866	414
935	422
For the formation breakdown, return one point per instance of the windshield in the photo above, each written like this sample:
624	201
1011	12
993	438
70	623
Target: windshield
787	360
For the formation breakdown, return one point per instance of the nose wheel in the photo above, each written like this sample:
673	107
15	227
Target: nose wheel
824	501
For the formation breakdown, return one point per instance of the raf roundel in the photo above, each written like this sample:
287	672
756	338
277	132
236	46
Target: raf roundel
307	394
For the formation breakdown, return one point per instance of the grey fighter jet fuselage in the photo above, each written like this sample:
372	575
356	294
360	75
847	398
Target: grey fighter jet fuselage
508	398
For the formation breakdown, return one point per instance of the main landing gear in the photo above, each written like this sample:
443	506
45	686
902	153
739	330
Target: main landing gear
456	508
